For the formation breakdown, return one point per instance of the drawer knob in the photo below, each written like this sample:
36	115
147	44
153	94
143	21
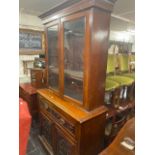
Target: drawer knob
62	121
107	115
46	106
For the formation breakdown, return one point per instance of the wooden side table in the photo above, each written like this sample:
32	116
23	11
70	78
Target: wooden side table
117	117
29	94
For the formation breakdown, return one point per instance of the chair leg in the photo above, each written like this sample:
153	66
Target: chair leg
116	98
131	92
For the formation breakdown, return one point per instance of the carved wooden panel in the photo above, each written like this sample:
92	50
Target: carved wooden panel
63	145
46	128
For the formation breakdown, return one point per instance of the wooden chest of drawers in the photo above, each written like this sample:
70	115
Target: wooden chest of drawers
68	129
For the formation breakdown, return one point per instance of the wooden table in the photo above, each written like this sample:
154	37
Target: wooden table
115	148
29	94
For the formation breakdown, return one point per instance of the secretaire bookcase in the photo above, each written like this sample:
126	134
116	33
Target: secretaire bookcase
72	111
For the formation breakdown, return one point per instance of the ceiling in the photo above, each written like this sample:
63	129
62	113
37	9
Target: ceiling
123	16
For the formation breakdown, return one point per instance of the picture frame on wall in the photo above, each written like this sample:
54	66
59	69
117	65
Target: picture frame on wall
31	42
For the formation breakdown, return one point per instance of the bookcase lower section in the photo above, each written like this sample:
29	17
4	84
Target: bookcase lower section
62	134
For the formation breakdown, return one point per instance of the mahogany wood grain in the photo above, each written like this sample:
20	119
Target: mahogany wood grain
71	109
79	128
77	7
95	56
99	23
38	77
86	130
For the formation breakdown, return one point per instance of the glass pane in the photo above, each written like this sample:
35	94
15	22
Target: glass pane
53	75
73	58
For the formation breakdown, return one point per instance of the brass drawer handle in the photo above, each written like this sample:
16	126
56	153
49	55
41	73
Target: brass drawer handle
43	105
62	121
46	105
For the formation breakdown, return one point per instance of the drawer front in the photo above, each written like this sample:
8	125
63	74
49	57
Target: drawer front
59	118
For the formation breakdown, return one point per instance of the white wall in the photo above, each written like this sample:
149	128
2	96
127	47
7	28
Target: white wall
30	22
122	36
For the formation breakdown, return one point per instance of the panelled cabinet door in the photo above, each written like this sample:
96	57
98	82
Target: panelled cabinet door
64	146
46	129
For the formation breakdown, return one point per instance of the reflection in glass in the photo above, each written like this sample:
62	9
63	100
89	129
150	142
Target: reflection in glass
73	58
53	76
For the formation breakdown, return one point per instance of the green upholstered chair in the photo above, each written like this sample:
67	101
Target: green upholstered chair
124	61
111	85
112	93
123	81
132	62
126	68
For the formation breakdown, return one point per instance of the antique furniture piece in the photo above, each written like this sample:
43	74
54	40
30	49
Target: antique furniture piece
125	66
125	82
38	77
72	112
115	148
132	62
116	118
112	93
119	98
29	94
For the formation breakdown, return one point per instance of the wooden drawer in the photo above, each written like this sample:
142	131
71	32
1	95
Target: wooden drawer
60	119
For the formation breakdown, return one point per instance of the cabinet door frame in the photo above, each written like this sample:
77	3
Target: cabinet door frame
75	16
51	24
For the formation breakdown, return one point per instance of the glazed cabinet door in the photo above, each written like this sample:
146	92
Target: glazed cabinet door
74	49
64	146
53	55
